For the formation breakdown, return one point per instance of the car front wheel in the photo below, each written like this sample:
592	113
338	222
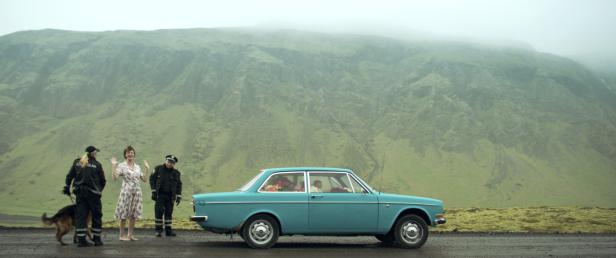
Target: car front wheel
260	231
411	232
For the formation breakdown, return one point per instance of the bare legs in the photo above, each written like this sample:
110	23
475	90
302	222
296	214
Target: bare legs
131	229
122	226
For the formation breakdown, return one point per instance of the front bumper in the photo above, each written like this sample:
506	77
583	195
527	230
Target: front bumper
440	221
198	218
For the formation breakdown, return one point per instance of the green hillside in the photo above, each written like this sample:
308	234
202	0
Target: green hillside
472	125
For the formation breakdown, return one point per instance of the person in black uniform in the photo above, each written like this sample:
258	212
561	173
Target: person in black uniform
166	188
88	179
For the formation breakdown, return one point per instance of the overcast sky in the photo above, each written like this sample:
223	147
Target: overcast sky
564	27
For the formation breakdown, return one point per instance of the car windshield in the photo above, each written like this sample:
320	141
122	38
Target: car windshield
364	183
250	183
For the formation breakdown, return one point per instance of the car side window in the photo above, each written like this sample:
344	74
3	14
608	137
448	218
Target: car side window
357	188
284	182
323	182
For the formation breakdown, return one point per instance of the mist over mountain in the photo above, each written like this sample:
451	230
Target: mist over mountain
469	124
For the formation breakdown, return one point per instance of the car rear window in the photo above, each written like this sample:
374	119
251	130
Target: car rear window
284	182
250	183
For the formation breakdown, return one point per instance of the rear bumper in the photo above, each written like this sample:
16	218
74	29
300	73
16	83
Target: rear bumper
198	218
440	221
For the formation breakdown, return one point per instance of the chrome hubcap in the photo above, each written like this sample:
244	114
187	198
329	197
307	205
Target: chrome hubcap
411	232
260	231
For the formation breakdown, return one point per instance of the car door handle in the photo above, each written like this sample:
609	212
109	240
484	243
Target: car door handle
316	196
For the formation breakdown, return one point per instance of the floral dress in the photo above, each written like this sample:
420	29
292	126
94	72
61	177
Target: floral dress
130	200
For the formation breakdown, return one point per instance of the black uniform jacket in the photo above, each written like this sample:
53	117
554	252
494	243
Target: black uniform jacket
91	177
165	180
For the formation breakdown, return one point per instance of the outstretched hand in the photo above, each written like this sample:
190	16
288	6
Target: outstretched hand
114	166
114	161
146	165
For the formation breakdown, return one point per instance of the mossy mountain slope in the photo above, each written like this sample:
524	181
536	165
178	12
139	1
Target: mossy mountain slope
472	125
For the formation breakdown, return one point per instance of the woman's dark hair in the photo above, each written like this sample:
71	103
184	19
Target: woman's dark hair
129	148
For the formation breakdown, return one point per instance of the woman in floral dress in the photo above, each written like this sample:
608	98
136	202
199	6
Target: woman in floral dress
130	201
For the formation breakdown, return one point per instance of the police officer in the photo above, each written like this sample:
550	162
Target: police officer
166	188
88	179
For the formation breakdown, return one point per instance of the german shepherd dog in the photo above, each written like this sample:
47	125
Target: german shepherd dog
65	220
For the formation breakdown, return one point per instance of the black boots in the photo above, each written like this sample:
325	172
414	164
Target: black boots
82	242
97	241
169	232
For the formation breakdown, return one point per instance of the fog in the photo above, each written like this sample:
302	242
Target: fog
583	29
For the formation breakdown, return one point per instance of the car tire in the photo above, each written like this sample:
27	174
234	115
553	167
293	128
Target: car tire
386	238
411	232
260	231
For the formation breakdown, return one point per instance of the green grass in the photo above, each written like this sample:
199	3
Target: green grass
531	220
466	220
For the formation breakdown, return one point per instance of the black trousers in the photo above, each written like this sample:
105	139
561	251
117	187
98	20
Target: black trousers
88	202
163	206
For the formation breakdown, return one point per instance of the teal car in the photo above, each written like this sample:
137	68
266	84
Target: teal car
316	201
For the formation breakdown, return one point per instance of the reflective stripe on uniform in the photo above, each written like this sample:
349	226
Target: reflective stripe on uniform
96	231
80	232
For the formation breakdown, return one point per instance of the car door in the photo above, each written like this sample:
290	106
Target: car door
335	206
285	195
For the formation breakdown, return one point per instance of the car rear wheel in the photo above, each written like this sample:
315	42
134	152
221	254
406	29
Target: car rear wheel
260	231
411	231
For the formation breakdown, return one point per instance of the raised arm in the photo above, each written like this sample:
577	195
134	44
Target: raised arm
144	175
114	168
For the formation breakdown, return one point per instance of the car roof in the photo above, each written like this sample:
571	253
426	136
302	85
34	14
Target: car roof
307	169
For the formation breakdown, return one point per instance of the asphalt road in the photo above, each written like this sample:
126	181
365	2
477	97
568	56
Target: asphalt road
41	243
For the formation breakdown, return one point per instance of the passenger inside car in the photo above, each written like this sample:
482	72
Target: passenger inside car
316	186
271	188
279	184
300	187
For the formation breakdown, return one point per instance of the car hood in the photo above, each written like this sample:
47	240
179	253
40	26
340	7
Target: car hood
387	197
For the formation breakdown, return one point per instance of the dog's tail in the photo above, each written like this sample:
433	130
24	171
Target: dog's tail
48	221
